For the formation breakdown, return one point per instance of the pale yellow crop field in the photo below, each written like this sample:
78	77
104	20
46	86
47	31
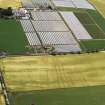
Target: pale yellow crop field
10	3
2	101
50	72
100	5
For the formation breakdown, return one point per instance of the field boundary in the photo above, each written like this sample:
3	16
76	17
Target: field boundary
4	88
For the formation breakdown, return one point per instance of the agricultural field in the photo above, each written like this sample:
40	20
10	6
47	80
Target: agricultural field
74	23
54	30
64	27
2	101
12	37
34	3
100	5
48	29
91	26
10	3
90	45
91	31
98	19
72	96
73	4
95	25
54	72
64	80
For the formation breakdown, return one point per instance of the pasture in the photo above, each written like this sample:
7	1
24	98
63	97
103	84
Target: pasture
12	37
72	96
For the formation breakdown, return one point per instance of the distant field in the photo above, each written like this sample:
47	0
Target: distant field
84	18
12	37
94	23
50	72
10	3
99	20
70	9
100	5
93	44
92	26
72	96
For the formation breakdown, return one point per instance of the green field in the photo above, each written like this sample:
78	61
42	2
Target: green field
99	20
94	23
70	9
84	18
91	45
12	37
72	96
95	31
100	5
93	27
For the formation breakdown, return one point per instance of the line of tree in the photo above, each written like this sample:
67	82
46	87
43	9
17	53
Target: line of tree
6	12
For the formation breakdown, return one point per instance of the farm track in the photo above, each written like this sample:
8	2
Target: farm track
4	89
